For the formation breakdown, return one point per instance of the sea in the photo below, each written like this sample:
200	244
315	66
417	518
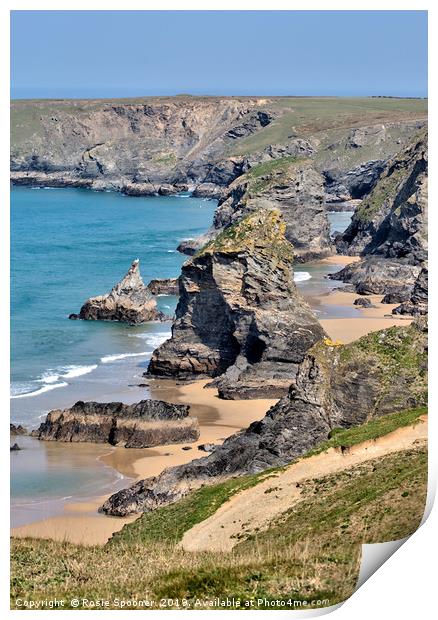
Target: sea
68	245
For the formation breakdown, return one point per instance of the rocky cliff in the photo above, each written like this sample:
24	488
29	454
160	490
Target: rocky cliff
141	425
163	145
336	386
240	317
129	301
139	146
389	229
290	184
417	303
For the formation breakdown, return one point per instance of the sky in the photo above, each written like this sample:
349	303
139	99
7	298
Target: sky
80	54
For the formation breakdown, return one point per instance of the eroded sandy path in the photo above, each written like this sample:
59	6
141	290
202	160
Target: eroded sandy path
256	507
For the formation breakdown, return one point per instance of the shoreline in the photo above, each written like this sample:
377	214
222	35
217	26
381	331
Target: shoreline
82	524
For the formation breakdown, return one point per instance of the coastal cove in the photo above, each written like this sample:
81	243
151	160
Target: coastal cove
57	362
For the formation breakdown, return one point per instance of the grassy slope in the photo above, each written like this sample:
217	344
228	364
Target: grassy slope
311	115
317	557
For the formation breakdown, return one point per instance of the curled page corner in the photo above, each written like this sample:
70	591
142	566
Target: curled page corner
374	556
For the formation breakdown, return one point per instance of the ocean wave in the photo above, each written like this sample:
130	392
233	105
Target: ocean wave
153	339
301	276
107	359
66	372
41	390
77	371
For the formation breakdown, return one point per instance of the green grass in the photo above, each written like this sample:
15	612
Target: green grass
170	522
346	438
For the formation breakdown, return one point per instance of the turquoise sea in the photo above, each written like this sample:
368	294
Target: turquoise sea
67	245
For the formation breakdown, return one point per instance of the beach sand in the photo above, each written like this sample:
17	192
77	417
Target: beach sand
368	319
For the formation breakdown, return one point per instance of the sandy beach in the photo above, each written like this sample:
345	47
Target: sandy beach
82	524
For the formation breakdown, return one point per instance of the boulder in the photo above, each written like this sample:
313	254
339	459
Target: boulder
336	386
141	425
15	447
129	301
240	317
363	301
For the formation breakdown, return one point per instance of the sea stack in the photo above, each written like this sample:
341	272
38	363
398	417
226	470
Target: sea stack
240	318
129	301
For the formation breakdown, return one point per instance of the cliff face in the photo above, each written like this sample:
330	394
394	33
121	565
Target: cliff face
239	313
141	425
392	221
417	303
290	184
119	143
129	301
389	229
336	386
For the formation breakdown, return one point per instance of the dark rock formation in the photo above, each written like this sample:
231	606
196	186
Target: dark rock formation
129	301
17	429
15	447
164	286
390	227
141	425
289	184
356	183
336	386
379	276
417	302
239	313
363	301
392	221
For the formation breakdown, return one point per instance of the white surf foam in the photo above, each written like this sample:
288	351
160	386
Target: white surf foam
153	339
41	390
301	276
77	371
107	359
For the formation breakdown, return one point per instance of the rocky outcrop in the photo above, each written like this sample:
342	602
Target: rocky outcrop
141	425
336	386
389	229
17	429
164	286
289	184
380	276
417	304
129	301
240	316
341	185
392	221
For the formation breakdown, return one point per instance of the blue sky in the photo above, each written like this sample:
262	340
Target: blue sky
133	53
